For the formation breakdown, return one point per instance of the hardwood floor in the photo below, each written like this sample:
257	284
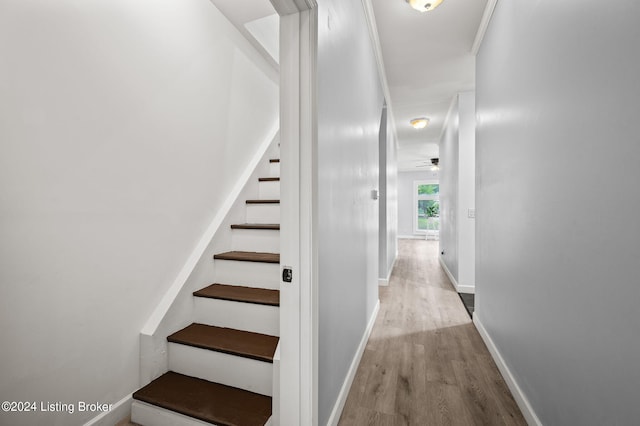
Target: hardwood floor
425	363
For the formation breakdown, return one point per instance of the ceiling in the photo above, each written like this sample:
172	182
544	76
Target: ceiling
427	57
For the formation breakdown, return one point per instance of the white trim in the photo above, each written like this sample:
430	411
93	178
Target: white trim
521	399
290	309
411	237
484	24
377	51
460	288
169	297
448	272
308	221
298	250
385	282
448	116
351	374
274	420
144	413
470	289
289	7
119	411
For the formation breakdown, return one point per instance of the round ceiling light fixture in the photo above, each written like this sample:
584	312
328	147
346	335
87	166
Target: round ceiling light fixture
419	123
424	5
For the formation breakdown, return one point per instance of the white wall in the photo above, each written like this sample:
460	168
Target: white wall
457	162
406	207
122	130
466	192
557	245
449	182
388	209
349	108
392	201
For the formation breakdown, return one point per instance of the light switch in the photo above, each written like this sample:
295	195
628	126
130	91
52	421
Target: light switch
472	214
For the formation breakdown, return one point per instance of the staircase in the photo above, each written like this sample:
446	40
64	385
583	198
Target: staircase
221	366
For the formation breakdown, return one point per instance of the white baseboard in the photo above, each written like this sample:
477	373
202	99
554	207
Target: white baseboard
385	281
120	410
470	289
351	374
411	237
448	272
519	396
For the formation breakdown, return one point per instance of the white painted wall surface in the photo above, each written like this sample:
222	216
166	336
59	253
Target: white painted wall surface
558	246
449	195
388	208
466	192
392	201
406	207
122	130
349	109
457	161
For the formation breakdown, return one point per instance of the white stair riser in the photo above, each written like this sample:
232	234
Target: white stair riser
231	370
264	240
263	213
274	169
239	315
269	190
150	415
249	274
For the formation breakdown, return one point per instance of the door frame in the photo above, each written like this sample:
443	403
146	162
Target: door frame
298	377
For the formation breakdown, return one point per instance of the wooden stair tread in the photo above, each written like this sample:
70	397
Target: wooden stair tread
246	344
259	296
207	401
269	179
274	160
249	256
274	226
263	201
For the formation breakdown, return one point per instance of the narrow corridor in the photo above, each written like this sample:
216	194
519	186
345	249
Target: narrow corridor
425	363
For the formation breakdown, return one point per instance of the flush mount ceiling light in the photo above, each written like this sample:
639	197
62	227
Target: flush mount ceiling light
419	123
424	5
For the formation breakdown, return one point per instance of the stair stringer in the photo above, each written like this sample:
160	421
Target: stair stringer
176	309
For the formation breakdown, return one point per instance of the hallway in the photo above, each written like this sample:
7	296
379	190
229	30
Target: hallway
425	363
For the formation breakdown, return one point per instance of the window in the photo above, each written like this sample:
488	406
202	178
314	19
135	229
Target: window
426	208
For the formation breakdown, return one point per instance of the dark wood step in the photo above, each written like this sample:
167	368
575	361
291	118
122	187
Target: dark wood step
246	344
234	293
207	401
272	226
274	160
249	256
269	179
263	201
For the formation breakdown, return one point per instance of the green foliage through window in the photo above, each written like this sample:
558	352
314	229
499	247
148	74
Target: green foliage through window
428	189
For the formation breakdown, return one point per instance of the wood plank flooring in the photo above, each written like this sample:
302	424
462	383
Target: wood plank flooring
425	363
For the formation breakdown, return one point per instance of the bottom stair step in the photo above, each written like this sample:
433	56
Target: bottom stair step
207	401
